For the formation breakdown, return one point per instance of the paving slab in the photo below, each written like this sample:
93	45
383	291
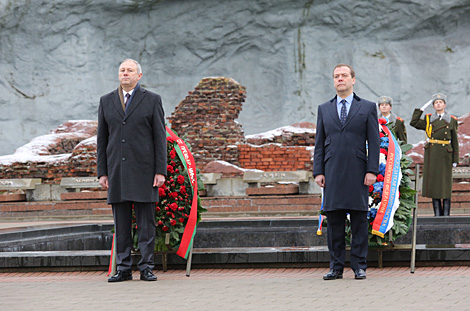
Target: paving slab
429	288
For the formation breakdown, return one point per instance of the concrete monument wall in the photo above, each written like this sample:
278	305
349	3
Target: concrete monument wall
59	56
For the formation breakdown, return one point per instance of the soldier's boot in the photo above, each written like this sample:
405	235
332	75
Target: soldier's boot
446	208
436	205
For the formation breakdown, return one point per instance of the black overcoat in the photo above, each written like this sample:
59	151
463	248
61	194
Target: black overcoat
341	154
131	145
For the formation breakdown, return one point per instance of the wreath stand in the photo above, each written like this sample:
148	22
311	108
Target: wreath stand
405	247
170	251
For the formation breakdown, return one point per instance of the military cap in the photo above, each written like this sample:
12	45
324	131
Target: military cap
439	96
384	100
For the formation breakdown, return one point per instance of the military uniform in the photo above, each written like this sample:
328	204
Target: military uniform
440	151
398	126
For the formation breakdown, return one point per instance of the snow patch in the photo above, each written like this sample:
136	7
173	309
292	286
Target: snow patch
281	131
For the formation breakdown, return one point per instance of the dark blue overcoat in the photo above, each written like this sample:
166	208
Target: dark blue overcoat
341	153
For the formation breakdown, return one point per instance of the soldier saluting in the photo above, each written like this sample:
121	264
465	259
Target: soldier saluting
398	125
441	152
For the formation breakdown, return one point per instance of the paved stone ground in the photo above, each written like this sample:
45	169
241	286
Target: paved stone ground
429	288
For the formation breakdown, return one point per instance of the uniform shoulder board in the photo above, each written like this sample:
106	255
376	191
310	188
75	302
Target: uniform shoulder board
429	114
453	117
398	118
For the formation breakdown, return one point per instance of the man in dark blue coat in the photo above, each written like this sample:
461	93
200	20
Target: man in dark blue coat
346	162
132	162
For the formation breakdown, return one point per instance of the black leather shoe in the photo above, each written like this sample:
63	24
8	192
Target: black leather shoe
147	275
121	276
359	274
333	275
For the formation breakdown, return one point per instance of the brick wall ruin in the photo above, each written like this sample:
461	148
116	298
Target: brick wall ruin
67	151
273	157
206	120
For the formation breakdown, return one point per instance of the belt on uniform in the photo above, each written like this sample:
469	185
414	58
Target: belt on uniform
437	141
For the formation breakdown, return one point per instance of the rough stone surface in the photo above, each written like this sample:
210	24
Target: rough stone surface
59	57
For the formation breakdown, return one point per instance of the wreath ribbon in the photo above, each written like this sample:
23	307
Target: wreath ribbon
188	161
390	196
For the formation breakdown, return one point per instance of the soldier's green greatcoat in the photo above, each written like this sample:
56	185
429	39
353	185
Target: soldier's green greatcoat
398	126
400	130
438	157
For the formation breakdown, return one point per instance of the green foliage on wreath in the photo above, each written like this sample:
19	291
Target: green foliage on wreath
173	209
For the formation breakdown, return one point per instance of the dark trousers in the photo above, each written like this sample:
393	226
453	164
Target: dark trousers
336	223
145	219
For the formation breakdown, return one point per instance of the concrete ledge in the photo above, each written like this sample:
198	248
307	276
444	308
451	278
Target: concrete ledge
274	190
278	176
210	178
269	256
19	183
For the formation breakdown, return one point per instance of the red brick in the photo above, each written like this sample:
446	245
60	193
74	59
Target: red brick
13	208
88	195
14	197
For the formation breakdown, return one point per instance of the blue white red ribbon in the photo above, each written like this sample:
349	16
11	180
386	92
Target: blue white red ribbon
390	195
320	216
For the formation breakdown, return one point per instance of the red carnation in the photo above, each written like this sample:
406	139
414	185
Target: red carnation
181	219
371	188
174	195
170	169
174	206
172	153
382	121
382	134
180	179
165	228
380	177
161	191
172	222
183	190
160	223
382	150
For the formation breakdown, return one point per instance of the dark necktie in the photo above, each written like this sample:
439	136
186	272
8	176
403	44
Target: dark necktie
343	112
127	99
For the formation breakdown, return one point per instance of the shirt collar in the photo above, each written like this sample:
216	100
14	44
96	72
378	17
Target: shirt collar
348	99
130	92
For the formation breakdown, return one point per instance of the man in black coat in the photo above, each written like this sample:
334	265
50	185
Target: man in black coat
132	161
345	167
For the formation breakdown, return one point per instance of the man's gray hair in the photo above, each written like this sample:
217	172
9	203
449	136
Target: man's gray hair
139	68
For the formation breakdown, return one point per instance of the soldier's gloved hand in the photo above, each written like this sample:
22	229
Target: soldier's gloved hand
426	105
454	164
